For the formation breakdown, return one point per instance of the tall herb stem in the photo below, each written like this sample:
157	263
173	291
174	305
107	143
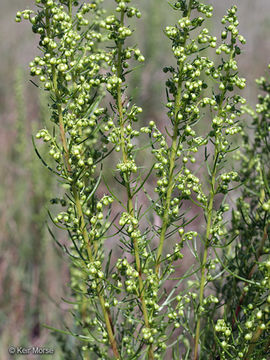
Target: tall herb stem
165	218
76	196
130	206
209	211
209	216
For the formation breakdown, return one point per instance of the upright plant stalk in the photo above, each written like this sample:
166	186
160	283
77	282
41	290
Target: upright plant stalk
177	107
55	69
209	212
249	299
226	84
125	160
209	218
77	199
184	112
87	241
130	207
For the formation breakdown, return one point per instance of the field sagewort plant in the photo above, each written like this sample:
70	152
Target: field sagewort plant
244	331
135	308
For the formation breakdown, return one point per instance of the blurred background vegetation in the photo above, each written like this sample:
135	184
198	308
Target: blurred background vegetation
33	275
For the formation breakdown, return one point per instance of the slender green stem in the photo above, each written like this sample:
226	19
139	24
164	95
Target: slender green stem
70	8
209	211
205	253
177	108
130	206
76	195
87	242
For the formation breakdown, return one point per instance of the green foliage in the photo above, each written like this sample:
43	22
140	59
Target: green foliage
131	306
248	324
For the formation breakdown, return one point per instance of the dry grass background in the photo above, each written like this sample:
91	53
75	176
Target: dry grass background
32	275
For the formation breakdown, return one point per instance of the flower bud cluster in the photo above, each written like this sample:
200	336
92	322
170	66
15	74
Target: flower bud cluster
187	182
95	275
224	333
68	58
130	274
226	179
